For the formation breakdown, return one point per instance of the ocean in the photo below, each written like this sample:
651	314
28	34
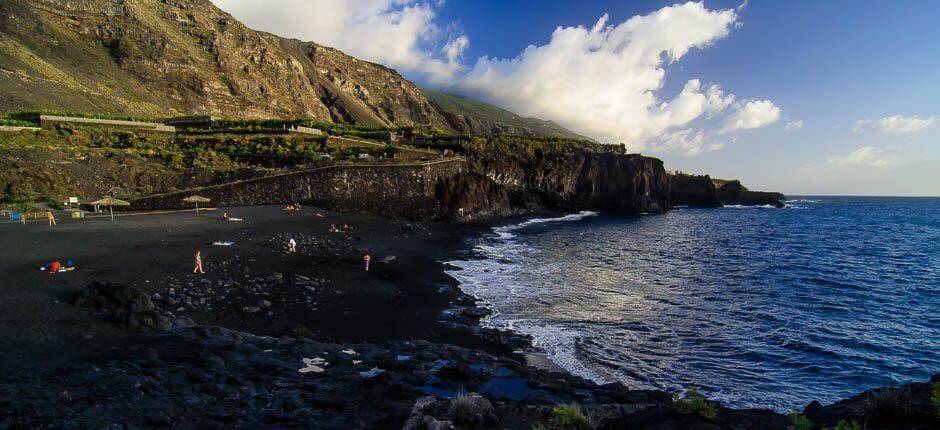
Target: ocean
756	306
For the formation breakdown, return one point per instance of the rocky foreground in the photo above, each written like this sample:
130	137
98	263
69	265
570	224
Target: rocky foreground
186	376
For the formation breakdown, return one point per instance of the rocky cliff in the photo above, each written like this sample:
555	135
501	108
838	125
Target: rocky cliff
507	177
733	193
511	176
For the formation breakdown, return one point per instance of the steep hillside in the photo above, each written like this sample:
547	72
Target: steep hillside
473	116
154	57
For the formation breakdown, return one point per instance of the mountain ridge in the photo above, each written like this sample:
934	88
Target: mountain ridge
168	57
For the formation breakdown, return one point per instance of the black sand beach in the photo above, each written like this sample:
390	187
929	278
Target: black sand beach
400	298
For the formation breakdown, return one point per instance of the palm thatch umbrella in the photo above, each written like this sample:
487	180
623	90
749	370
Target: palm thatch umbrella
197	200
110	202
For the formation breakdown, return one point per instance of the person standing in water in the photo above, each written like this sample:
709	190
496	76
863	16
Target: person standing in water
51	218
366	259
198	268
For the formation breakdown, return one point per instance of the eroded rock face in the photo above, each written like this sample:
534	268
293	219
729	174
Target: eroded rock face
515	180
733	193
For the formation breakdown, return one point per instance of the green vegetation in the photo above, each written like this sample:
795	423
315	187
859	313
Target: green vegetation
570	417
888	405
464	106
799	422
694	403
846	425
935	397
470	408
33	115
6	120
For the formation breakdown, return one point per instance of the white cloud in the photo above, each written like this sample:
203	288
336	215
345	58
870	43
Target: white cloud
897	124
750	115
401	34
794	125
686	142
866	156
604	81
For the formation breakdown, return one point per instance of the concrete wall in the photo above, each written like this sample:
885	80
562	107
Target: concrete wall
396	190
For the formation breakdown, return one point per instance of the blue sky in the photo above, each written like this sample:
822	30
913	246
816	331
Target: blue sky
862	79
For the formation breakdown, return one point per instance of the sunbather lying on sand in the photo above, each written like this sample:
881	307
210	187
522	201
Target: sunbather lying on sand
56	266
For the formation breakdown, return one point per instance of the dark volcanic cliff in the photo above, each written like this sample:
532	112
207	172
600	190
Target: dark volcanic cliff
507	176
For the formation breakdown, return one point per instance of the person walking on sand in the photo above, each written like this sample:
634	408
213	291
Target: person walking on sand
51	218
198	268
366	259
291	246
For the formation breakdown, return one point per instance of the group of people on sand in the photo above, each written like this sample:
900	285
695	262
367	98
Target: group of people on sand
345	228
56	266
291	243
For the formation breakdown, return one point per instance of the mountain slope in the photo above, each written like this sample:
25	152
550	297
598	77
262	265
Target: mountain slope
472	116
158	57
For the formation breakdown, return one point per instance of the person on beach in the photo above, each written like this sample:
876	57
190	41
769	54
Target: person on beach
366	259
51	218
291	246
198	268
55	266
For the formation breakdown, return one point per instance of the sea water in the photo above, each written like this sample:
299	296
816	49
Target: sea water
757	306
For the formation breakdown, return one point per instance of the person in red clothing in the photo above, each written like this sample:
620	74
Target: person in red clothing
55	266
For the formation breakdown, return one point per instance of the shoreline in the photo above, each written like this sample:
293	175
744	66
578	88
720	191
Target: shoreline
319	296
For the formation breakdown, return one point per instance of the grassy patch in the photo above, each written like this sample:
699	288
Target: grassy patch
470	408
694	403
570	417
799	422
935	397
848	425
888	405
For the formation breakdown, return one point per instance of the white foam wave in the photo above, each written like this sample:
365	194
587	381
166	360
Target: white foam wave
566	218
490	280
750	206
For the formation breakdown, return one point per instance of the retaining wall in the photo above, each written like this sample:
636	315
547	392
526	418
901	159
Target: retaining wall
395	190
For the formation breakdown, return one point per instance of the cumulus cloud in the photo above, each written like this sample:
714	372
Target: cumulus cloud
750	115
686	142
793	125
896	124
401	34
866	156
605	81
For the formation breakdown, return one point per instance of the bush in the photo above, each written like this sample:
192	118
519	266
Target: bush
935	397
799	422
845	425
570	417
471	408
888	405
695	403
